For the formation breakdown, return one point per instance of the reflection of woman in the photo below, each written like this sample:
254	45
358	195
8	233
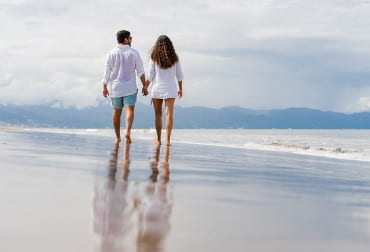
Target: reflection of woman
125	163
155	209
164	69
165	167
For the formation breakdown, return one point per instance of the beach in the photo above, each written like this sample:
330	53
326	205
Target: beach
64	190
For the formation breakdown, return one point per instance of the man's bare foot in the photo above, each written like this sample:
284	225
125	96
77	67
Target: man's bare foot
157	142
168	144
118	140
128	139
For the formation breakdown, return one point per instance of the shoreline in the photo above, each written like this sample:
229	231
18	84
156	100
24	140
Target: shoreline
338	152
5	128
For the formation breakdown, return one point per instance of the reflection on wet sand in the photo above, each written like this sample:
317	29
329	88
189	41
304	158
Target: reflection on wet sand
127	214
155	208
111	207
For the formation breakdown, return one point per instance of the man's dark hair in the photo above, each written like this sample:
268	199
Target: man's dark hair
121	35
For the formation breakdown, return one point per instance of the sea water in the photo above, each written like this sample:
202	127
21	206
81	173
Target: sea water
340	144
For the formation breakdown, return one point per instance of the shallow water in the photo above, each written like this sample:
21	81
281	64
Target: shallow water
340	144
70	192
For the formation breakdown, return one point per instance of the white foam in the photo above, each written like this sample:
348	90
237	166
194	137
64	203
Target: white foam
340	144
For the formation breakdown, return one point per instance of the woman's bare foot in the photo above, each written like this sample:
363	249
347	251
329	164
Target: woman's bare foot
118	140
168	144
128	139
157	142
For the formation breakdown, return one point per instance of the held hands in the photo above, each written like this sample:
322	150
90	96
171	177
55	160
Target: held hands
146	84
144	91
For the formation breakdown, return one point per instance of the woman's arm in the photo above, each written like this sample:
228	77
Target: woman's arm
180	77
179	92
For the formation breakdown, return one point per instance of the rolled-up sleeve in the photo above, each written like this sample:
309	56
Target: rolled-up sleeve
107	69
139	65
179	74
151	71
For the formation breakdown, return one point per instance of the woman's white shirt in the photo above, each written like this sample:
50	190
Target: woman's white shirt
164	84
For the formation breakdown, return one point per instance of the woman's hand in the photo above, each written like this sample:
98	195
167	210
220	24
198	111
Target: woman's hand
179	94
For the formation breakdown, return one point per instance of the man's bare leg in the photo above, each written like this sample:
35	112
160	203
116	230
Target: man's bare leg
129	110
157	105
169	103
116	121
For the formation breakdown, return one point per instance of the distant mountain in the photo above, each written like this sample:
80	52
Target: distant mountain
189	117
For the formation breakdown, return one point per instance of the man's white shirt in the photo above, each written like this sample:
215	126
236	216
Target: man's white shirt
119	71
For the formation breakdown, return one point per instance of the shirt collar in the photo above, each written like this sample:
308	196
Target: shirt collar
122	46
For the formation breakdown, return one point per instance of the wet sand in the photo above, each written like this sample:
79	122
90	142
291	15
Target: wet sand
66	192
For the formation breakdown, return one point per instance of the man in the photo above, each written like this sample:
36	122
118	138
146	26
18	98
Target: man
119	76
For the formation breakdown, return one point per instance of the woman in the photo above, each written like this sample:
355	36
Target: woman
164	69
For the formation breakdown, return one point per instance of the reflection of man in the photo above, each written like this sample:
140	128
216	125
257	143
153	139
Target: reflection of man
155	209
120	66
111	207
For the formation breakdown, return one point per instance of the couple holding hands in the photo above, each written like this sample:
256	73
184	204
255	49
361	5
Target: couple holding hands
123	64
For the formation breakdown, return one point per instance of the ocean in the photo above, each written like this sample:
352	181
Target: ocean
339	144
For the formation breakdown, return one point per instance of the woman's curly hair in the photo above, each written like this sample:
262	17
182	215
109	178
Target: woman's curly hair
163	53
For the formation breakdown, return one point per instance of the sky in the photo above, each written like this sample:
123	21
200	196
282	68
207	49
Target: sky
257	54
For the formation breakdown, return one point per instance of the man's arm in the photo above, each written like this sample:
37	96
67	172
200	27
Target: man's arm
106	76
105	90
150	74
140	72
144	90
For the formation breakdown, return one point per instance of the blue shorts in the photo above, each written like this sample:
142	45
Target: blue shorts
120	102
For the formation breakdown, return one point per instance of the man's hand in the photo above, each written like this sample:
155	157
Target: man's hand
144	91
105	91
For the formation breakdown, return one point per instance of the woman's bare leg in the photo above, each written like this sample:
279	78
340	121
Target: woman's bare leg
170	103
157	105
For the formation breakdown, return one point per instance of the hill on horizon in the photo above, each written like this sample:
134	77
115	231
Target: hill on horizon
185	118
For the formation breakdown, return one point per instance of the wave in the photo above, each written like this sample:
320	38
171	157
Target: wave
337	153
346	145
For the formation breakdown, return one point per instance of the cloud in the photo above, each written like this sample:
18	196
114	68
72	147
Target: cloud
361	105
36	8
364	103
257	54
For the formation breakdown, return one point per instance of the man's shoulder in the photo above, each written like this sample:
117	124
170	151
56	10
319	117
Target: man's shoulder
114	50
126	50
133	50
